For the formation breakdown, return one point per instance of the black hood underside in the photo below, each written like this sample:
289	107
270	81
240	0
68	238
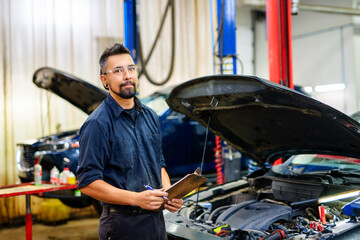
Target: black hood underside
78	92
265	120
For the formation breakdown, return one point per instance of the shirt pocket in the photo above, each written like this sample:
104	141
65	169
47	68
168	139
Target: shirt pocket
155	141
124	156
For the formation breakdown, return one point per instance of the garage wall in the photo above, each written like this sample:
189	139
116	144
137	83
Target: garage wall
70	35
324	46
356	53
323	54
245	38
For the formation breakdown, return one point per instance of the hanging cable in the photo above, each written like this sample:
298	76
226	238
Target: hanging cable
220	30
241	65
202	160
145	62
219	39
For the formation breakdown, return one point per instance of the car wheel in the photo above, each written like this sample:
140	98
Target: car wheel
77	202
97	205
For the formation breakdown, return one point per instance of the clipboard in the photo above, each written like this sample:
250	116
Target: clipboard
185	185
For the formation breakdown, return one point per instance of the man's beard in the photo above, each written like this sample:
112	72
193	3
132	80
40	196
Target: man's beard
126	92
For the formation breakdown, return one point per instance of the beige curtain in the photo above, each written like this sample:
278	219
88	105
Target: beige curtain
69	35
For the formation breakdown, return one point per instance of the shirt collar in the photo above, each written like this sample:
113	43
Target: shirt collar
117	109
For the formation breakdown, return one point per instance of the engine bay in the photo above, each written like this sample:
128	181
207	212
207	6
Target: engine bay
267	208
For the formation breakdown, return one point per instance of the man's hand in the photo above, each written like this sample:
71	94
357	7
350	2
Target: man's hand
151	200
174	204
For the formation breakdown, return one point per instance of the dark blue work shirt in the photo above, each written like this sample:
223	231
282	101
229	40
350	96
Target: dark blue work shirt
123	152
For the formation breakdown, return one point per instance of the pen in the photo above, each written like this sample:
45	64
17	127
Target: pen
151	189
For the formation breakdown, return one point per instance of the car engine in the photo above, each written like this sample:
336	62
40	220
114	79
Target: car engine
266	208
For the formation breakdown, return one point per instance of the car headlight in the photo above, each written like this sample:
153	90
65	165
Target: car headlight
24	158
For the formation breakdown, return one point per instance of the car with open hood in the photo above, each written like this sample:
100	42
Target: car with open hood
183	138
312	195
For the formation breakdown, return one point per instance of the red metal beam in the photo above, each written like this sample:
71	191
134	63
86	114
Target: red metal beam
278	15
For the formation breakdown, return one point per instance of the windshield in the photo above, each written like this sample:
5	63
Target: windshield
157	103
306	163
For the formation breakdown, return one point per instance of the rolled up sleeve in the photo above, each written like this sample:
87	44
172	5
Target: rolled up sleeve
94	152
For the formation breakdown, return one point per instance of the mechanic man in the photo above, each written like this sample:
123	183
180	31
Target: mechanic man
120	152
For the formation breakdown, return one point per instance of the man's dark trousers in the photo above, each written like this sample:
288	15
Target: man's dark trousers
120	224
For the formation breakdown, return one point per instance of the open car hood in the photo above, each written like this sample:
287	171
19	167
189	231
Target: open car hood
265	120
76	91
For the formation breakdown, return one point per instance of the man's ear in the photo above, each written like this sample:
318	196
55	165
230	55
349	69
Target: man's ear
104	82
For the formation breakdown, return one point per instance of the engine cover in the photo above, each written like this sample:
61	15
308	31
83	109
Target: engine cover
256	215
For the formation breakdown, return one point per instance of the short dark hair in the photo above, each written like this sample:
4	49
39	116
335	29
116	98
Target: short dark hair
114	50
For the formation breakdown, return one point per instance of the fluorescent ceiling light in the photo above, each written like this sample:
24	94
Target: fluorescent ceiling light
308	89
330	87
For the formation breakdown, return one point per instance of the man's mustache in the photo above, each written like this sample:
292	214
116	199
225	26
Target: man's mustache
126	83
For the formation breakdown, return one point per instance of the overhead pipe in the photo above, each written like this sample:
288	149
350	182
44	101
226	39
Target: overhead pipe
260	4
329	9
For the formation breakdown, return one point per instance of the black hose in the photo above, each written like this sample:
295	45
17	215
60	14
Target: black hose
220	30
145	62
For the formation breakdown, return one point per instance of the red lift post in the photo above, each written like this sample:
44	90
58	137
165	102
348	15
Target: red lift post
278	16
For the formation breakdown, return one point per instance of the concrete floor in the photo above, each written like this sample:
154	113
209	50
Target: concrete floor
81	229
